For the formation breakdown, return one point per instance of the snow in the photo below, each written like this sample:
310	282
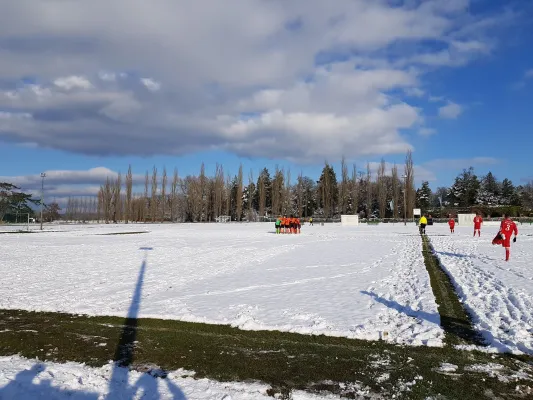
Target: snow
498	294
447	367
24	379
366	282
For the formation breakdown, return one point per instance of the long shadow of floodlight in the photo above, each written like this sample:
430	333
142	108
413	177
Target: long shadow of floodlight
119	387
118	384
125	349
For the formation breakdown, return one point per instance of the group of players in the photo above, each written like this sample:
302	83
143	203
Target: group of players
503	237
288	224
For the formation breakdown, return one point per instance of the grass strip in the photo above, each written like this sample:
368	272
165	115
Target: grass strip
286	361
455	320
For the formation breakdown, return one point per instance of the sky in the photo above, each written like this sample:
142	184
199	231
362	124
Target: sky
88	88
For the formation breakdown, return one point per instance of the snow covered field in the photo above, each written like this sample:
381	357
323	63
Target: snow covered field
498	294
359	282
24	379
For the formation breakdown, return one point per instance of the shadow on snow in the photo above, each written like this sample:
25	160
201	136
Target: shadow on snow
119	387
434	318
451	325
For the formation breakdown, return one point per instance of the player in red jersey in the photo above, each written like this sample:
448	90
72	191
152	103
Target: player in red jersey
451	223
478	220
507	228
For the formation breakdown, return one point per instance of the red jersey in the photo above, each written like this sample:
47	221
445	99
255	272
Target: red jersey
478	221
507	228
451	222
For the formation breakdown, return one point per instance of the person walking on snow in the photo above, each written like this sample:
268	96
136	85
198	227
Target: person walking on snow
478	220
422	223
507	228
451	223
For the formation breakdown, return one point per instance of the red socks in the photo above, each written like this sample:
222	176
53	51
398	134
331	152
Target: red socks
507	253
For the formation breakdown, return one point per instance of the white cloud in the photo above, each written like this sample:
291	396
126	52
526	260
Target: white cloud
414	92
421	173
234	78
436	99
528	74
470	46
460	163
427	131
151	84
73	82
96	175
61	184
450	111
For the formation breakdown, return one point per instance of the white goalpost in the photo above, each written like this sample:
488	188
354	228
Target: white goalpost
465	219
349	220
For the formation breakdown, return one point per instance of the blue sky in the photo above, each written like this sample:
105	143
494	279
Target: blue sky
264	84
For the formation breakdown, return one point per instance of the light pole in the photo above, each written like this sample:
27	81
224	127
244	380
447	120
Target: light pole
405	200
43	175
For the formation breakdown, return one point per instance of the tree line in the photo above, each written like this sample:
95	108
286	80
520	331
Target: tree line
381	192
485	194
204	198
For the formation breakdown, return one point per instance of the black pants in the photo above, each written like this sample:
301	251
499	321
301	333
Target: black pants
422	228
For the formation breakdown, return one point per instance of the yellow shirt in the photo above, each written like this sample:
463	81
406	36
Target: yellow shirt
423	220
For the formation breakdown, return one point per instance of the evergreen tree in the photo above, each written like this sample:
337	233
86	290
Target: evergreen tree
509	195
526	195
465	190
14	203
423	196
264	178
489	193
328	191
310	203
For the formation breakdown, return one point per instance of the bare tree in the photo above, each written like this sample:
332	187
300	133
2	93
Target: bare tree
190	187
355	190
145	203
410	193
382	189
94	207
238	198
129	186
164	180
395	192
218	191
116	201
99	207
202	193
106	193
227	194
153	200
174	195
